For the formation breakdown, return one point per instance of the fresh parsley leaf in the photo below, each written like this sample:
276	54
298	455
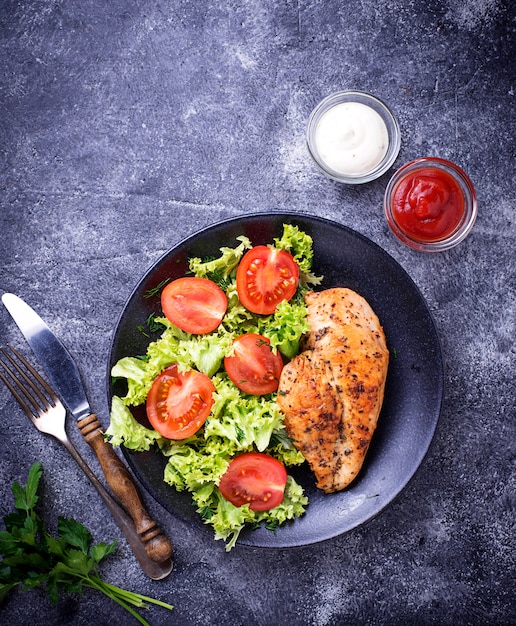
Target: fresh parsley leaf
5	588
31	556
100	550
25	499
74	533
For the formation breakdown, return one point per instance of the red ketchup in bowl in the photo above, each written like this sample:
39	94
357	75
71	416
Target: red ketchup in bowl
430	204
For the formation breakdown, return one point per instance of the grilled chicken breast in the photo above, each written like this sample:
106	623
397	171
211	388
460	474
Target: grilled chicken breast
332	392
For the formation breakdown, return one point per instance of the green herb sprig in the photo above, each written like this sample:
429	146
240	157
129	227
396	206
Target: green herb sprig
31	556
155	291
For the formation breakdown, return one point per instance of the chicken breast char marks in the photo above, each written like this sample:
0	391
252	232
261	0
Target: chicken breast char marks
332	392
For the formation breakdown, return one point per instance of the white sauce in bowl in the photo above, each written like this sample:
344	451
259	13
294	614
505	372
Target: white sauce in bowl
351	138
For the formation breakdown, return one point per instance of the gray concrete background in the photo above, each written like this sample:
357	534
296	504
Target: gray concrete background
126	126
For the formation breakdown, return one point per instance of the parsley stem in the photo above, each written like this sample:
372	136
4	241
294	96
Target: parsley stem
130	610
137	598
113	592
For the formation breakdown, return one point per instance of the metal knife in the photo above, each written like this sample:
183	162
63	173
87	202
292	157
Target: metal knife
64	375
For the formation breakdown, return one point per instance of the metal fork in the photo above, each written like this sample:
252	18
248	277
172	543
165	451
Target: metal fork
48	415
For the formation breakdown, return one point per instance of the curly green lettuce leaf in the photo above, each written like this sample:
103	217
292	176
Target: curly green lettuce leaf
220	269
195	462
242	419
282	448
125	430
138	376
238	319
201	352
299	244
285	327
228	520
293	505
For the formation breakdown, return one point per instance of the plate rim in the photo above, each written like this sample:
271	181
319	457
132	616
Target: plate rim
245	538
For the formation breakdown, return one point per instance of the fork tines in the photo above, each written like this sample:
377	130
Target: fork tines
23	387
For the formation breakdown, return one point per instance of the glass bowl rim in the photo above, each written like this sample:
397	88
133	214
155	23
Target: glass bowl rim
470	209
375	103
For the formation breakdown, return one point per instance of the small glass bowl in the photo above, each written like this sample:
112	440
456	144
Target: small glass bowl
393	132
469	213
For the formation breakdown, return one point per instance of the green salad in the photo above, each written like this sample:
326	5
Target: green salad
239	422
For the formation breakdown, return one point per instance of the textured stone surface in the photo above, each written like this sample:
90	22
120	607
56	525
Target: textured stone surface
128	125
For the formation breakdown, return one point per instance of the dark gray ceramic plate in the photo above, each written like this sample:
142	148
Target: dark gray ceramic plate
414	384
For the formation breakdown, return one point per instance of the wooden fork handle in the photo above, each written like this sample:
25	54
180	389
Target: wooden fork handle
157	546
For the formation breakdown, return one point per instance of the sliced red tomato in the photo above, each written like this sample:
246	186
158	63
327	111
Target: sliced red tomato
266	277
253	366
256	479
195	305
179	403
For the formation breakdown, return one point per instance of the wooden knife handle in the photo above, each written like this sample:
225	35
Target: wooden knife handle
157	546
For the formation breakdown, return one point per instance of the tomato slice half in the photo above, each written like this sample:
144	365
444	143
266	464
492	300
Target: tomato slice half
195	305
266	277
256	479
253	366
179	403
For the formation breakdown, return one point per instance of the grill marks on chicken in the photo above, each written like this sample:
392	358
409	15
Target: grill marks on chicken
332	392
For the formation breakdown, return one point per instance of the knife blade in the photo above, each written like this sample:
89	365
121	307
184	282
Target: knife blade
61	369
63	373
